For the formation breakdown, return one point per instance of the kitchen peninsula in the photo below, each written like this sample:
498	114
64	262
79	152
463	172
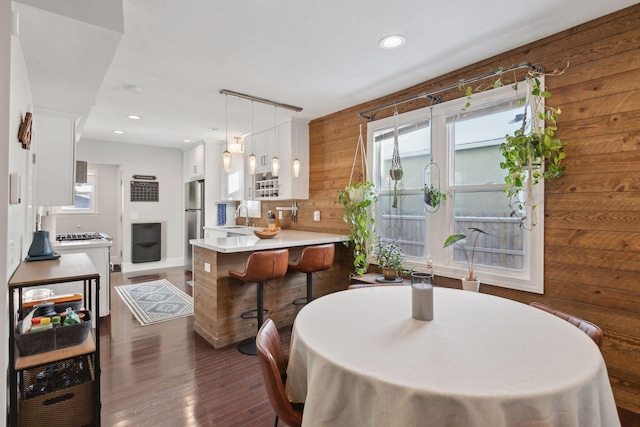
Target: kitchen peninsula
219	299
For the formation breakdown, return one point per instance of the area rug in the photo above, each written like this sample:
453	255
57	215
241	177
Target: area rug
156	301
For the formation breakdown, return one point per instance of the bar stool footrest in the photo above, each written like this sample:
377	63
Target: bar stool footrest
300	301
248	314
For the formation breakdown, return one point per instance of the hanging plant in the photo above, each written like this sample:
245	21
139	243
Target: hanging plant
395	172
356	199
532	152
433	196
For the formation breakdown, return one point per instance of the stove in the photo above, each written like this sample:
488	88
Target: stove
66	237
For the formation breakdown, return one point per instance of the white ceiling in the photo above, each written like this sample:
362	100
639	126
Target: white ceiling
322	56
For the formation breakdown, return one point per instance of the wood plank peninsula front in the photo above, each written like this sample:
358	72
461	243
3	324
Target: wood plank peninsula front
219	299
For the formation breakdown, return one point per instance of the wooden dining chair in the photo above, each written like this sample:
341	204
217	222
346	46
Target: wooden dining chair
594	332
273	362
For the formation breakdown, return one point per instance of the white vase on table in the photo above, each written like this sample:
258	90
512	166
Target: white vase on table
470	285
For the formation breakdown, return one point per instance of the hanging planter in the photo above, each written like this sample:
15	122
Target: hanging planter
433	195
356	199
395	172
532	153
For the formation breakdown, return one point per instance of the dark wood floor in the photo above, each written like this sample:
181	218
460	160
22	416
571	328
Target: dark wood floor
166	375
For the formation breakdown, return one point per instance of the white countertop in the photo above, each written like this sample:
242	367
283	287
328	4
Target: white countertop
284	239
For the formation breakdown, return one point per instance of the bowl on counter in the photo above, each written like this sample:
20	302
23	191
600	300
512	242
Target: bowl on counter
264	233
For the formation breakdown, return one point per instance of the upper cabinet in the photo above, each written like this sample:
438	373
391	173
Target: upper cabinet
193	163
55	164
288	141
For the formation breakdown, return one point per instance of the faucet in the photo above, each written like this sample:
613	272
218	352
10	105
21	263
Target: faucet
240	206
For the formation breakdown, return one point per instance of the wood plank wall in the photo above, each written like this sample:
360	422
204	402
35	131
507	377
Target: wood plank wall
592	214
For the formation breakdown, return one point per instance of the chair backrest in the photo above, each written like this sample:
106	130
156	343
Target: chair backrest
587	327
317	258
273	362
264	265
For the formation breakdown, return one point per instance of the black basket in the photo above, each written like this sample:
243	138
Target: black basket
54	338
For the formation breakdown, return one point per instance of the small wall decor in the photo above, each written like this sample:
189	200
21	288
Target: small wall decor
143	191
24	132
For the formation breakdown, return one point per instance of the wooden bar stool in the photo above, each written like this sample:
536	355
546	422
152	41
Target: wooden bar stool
312	259
261	267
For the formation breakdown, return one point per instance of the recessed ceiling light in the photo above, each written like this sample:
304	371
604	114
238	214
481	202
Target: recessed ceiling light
186	140
392	42
119	132
132	117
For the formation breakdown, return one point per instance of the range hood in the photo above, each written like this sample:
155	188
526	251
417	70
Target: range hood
81	172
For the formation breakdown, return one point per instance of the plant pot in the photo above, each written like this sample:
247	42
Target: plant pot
396	174
429	199
470	285
356	195
388	273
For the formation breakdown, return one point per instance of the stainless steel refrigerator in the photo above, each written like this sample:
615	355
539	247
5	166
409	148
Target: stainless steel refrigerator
193	217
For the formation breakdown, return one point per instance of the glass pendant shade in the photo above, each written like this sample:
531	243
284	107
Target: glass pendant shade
226	160
296	168
252	164
275	166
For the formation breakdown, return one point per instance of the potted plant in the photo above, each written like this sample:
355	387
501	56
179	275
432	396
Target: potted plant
389	258
356	200
433	196
532	152
470	282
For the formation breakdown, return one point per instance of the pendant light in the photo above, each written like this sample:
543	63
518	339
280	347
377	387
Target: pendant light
226	155
296	161
252	157
275	161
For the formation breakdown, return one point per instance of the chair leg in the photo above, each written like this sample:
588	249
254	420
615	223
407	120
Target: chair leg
309	287
248	346
309	297
260	296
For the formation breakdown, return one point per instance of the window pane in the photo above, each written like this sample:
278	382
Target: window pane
405	224
477	145
414	145
488	211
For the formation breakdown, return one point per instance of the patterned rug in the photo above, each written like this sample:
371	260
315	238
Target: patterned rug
156	301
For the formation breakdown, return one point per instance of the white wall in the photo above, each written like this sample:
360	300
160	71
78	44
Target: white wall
166	165
106	220
17	222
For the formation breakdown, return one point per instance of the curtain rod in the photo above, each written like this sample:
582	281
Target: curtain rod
436	99
262	100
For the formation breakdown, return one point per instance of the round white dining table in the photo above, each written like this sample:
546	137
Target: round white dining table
358	358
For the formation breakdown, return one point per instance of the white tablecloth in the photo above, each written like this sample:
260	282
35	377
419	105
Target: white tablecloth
358	358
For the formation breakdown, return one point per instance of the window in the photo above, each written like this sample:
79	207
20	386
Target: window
466	150
86	197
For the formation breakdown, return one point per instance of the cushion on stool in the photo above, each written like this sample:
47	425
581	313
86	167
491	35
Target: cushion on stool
263	266
315	258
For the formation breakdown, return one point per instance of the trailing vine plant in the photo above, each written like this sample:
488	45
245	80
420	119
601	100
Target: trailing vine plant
532	152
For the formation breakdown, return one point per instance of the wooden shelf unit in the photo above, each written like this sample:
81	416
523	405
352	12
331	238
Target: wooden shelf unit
68	268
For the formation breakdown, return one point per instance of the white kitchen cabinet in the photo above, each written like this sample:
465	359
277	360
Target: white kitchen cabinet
193	163
291	141
55	165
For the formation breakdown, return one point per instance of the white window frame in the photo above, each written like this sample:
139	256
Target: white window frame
441	223
92	178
